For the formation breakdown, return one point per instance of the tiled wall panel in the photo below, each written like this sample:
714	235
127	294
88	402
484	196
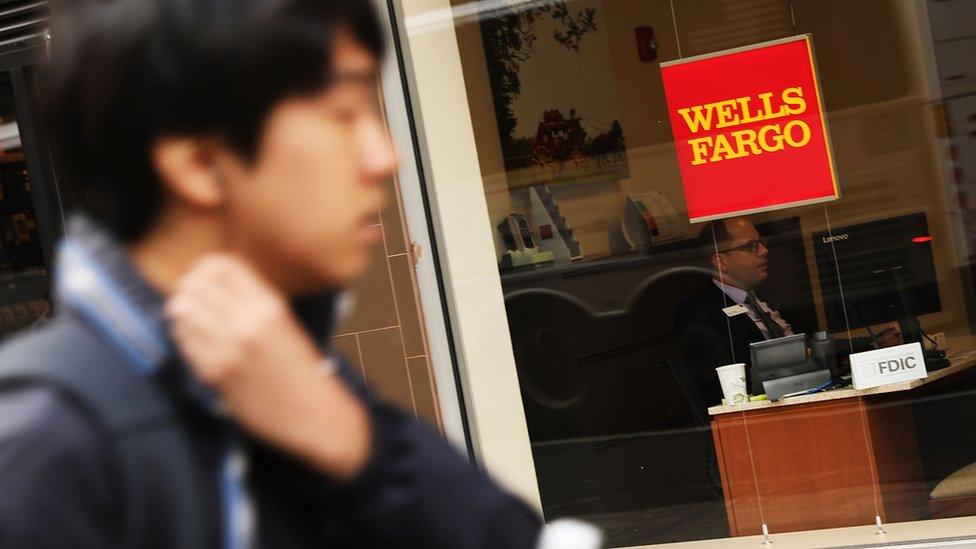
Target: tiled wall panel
383	335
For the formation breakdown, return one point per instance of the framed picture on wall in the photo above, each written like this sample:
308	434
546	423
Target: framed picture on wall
553	91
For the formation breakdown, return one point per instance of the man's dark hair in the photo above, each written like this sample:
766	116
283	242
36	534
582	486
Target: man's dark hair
127	72
711	233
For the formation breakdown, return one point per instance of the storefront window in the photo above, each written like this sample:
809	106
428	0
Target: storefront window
667	210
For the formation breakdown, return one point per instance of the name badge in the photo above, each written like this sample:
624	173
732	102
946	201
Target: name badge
735	310
887	366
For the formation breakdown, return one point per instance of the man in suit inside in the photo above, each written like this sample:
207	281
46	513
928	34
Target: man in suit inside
716	327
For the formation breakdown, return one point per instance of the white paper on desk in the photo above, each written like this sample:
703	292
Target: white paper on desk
887	366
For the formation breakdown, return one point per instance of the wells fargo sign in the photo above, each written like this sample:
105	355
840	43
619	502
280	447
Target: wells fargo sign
749	129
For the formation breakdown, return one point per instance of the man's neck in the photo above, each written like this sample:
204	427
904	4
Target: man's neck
168	251
729	283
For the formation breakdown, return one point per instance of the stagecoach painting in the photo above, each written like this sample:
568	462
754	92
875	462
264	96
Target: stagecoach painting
558	142
567	150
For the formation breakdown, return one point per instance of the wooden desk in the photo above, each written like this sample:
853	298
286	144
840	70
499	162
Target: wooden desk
826	460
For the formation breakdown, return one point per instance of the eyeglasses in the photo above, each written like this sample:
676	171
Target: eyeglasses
752	246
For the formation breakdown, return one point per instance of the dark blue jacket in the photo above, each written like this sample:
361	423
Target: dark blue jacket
60	485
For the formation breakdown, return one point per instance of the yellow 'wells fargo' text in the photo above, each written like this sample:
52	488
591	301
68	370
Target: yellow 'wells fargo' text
768	138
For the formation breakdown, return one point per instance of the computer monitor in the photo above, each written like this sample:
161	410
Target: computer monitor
886	271
779	358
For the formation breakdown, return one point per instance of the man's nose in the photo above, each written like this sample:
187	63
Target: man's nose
379	159
762	250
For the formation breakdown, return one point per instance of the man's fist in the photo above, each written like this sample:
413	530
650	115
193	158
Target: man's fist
240	337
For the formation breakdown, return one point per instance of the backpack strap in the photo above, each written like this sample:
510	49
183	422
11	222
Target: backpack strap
162	499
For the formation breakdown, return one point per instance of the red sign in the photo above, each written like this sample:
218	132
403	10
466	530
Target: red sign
750	130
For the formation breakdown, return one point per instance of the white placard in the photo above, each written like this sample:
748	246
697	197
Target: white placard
887	366
735	310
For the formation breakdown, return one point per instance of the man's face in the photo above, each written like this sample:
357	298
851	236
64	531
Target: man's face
305	213
740	267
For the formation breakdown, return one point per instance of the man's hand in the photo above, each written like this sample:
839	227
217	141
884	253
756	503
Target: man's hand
240	337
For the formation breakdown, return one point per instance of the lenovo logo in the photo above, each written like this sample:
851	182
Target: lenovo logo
836	238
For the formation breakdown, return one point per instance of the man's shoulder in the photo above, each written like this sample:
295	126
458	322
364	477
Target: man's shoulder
73	357
64	336
45	423
57	478
47	446
704	304
39	417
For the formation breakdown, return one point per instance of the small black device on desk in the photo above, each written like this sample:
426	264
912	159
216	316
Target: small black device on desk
782	366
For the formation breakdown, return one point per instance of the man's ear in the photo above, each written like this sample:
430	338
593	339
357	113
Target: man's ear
187	167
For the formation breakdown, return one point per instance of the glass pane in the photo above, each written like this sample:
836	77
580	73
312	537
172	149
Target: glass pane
625	307
23	274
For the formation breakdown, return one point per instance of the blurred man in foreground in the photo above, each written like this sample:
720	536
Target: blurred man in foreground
232	151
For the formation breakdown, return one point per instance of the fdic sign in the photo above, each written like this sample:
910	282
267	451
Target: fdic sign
887	366
749	129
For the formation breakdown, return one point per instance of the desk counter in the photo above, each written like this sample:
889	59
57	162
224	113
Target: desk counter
827	460
960	362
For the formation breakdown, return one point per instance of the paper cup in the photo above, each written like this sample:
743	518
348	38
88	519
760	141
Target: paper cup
733	380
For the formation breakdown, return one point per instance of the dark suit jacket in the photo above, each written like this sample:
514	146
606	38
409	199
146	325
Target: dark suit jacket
703	334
